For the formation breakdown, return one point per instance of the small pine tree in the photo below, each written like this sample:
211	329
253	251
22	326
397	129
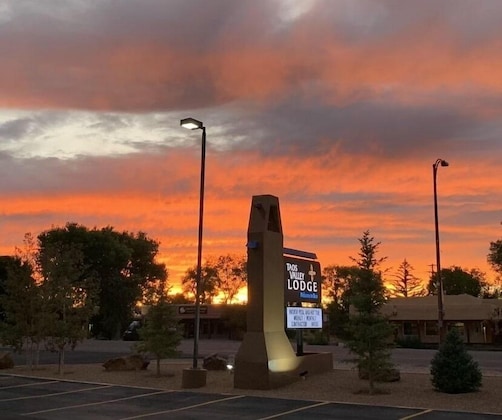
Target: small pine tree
453	369
369	331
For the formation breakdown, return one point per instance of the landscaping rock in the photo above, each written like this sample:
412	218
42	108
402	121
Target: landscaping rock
6	361
125	363
215	362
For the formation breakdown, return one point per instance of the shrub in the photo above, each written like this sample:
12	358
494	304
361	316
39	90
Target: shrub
453	369
411	342
317	337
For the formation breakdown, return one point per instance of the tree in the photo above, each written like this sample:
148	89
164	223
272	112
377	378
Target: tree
336	284
453	369
5	262
335	281
495	256
209	283
367	253
28	253
405	283
232	275
22	308
369	330
159	334
457	281
69	299
179	299
123	264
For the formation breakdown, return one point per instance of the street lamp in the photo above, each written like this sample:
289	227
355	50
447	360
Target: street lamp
193	124
439	280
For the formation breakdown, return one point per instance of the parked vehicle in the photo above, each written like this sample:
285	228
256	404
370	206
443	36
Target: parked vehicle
132	331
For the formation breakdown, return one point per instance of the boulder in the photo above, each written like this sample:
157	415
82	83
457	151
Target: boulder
6	361
124	363
214	362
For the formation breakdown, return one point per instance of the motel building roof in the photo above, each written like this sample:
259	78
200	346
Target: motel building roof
456	307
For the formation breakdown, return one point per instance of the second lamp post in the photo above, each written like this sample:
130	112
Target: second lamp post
439	280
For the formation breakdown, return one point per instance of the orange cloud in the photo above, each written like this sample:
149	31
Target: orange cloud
326	204
339	112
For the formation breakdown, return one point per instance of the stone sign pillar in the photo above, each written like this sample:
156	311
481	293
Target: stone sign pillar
265	358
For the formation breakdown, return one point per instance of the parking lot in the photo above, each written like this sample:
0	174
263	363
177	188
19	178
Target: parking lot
35	398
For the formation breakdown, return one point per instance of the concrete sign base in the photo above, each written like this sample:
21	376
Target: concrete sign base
266	358
193	378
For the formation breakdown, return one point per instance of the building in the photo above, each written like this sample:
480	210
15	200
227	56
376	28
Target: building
216	320
478	320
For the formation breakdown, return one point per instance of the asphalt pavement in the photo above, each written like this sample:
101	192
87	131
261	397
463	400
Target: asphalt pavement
47	399
38	398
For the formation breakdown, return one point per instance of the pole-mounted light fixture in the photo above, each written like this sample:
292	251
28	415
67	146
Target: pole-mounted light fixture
193	124
439	280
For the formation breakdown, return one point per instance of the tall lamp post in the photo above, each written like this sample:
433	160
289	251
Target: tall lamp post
439	280
193	124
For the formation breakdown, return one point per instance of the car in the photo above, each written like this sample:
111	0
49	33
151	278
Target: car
132	331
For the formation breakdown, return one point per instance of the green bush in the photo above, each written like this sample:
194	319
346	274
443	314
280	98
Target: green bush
317	337
410	342
453	369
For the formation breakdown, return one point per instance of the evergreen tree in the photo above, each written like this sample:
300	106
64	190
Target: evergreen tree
453	369
369	330
367	253
406	284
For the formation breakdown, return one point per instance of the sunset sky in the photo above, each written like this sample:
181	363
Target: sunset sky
338	107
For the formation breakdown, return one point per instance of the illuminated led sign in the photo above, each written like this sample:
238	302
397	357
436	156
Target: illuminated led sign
303	318
302	280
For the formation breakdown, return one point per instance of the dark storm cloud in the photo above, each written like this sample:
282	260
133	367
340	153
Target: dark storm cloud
121	55
159	55
144	173
388	129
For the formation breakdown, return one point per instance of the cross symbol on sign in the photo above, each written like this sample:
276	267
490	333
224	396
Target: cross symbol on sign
312	273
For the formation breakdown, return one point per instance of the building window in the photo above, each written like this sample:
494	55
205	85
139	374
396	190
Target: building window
410	328
431	328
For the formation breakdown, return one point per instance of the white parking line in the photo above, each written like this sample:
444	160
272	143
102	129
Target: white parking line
30	384
182	408
295	410
96	403
415	415
55	394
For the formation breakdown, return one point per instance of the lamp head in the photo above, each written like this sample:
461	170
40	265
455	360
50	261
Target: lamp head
191	123
444	163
